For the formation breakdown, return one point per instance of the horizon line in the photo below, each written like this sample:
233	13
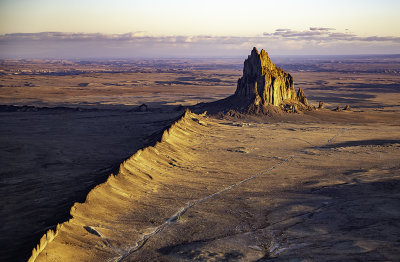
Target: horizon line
201	57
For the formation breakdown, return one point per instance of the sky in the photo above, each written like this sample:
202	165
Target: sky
196	28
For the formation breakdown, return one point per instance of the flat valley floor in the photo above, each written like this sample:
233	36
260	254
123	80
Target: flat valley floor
318	186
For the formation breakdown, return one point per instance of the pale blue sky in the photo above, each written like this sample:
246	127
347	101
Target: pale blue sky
207	17
118	28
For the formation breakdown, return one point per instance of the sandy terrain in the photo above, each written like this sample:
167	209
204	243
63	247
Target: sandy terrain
101	85
218	190
328	184
364	82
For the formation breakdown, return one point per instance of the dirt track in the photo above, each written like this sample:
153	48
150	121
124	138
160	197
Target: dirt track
316	201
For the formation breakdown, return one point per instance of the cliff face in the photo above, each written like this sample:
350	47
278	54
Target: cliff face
264	83
263	89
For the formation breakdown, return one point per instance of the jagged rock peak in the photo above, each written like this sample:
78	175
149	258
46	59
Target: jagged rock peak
264	83
258	63
301	97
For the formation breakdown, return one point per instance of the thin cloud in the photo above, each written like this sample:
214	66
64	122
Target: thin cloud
314	33
325	34
315	40
321	29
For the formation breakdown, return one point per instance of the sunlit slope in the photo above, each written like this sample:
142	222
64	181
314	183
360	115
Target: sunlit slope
215	189
103	225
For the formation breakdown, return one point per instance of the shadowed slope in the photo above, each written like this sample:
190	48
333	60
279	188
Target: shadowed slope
103	219
226	190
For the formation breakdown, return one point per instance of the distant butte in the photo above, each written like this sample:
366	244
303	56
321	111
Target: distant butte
262	87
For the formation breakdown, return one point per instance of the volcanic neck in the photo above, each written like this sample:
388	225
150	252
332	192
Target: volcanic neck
263	83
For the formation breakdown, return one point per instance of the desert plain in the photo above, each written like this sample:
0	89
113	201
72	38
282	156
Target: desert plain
318	185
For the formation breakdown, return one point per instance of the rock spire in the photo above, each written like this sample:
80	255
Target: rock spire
263	89
263	83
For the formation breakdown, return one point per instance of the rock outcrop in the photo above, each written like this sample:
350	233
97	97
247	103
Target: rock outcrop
264	84
301	97
263	88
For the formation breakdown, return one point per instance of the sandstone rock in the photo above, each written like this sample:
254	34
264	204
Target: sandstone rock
321	105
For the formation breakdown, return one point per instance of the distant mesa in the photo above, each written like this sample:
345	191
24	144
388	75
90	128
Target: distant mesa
264	87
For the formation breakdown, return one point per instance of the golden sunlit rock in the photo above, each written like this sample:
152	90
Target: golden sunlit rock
263	83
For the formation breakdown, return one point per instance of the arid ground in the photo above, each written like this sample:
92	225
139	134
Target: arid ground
319	185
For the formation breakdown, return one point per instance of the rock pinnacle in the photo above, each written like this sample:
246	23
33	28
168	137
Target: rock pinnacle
263	83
